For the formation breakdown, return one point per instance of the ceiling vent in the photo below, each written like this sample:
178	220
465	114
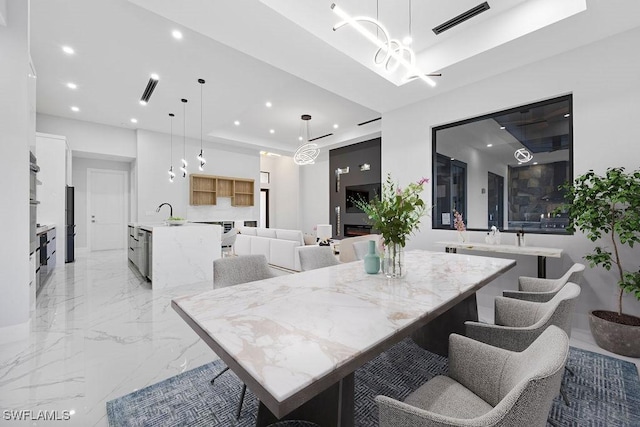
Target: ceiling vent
369	121
461	18
151	85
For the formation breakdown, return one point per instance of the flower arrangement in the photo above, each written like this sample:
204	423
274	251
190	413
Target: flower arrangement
395	213
458	222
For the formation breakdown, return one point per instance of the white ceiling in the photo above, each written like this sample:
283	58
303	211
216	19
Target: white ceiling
283	51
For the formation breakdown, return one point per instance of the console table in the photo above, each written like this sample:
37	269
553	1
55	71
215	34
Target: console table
541	253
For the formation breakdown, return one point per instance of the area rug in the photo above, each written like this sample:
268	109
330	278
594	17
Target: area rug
605	391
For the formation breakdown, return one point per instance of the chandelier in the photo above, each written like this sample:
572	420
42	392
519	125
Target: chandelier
307	151
391	53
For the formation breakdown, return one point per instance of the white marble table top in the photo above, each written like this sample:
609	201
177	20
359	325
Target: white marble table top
283	334
507	249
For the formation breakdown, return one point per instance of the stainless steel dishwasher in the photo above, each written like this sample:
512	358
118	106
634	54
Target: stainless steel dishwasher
150	256
143	256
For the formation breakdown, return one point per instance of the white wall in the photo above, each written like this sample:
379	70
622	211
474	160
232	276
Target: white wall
51	151
88	137
80	166
154	188
284	191
16	135
603	78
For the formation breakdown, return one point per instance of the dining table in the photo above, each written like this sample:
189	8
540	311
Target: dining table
296	340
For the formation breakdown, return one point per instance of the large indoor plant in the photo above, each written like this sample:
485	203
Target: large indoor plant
395	214
607	209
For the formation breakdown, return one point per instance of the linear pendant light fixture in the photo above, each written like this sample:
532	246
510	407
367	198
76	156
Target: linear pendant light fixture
171	172
391	53
183	168
201	158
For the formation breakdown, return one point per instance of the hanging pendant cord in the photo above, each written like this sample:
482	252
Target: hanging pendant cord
201	117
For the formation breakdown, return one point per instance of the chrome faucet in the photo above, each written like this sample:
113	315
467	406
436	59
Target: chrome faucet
170	207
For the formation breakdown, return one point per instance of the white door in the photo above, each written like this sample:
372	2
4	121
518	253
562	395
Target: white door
107	208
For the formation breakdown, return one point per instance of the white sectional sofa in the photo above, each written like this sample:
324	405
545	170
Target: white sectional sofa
277	245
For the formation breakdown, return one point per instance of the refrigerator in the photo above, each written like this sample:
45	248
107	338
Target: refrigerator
70	226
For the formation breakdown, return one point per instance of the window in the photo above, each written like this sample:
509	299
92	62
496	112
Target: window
504	169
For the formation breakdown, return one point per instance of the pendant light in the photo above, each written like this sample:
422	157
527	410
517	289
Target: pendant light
307	151
200	156
183	168
171	172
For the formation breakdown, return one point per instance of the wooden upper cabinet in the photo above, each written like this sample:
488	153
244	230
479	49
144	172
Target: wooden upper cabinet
205	190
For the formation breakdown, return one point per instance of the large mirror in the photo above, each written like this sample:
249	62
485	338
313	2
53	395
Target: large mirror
504	169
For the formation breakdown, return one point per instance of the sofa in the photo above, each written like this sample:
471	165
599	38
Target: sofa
277	245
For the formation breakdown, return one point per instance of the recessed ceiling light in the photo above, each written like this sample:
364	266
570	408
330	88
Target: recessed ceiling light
134	120
299	138
268	104
502	128
453	158
567	115
237	123
154	76
143	102
71	85
535	163
407	41
75	109
272	131
336	126
176	34
68	50
489	145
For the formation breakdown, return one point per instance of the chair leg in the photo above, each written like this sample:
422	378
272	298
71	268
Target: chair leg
219	373
244	389
564	396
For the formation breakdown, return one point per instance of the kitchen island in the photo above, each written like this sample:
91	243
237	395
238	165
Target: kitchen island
172	256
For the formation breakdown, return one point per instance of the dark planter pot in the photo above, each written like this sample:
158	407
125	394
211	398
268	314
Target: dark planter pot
615	337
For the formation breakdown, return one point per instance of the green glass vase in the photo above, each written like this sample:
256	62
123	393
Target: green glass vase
371	259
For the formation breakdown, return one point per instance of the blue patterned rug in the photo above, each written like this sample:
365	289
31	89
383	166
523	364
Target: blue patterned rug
604	392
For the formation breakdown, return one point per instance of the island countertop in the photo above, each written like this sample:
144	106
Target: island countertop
149	226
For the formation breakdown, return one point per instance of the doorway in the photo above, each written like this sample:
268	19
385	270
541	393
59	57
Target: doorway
264	208
107	207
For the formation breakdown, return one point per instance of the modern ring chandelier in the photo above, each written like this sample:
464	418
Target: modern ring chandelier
391	53
307	152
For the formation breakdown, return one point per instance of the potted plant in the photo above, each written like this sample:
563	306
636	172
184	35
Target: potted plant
607	209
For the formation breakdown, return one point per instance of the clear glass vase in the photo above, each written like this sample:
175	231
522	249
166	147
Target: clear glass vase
393	262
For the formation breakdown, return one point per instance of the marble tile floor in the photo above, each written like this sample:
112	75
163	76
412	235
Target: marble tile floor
100	332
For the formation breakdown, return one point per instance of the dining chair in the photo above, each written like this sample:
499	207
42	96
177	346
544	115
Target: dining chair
473	394
518	323
542	290
235	271
312	257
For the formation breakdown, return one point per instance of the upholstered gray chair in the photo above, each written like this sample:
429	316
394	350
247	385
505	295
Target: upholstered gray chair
240	269
542	290
486	386
348	245
312	257
234	271
518	323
